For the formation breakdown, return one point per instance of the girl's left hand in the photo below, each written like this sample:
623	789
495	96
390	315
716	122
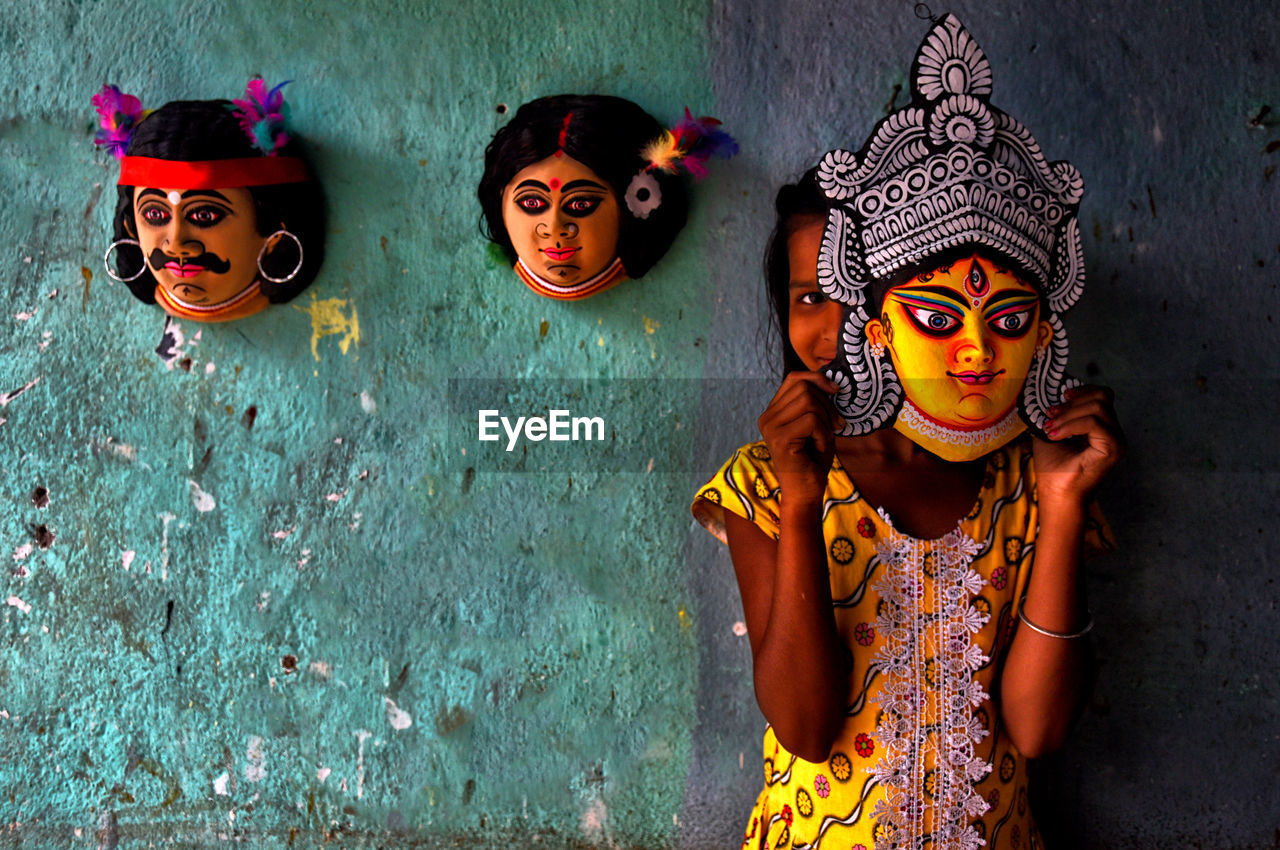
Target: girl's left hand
1085	442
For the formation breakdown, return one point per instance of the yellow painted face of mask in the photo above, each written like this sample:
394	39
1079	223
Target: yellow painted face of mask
961	339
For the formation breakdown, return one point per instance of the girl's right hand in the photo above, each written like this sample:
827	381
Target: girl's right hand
799	428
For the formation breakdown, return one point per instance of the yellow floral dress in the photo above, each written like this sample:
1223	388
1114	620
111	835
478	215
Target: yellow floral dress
922	760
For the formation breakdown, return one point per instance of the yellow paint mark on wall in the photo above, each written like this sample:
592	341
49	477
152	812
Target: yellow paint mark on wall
650	325
684	621
329	318
88	278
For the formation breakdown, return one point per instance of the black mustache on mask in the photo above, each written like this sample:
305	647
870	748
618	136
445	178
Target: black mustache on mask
209	261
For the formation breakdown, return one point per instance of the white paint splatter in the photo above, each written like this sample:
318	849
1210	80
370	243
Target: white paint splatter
397	717
53	293
120	450
171	342
322	774
361	734
740	628
337	441
336	497
45	339
209	368
126	557
367	404
5	398
19	604
220	784
323	669
25	315
283	533
4	714
165	519
202	501
23	551
256	769
593	819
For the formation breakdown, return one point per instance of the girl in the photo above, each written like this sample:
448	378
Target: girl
914	623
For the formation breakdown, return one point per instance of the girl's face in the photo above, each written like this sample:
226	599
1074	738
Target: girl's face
962	338
813	319
200	244
562	220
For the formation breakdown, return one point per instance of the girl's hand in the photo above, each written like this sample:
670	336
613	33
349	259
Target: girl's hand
799	428
1085	442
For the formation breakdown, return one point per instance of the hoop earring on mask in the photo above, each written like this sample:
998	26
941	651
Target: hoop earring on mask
263	251
106	260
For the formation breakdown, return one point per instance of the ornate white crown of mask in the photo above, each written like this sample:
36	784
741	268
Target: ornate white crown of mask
947	170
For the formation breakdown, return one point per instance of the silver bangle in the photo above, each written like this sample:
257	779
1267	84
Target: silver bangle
1022	615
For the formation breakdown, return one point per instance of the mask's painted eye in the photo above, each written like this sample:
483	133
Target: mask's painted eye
1013	324
155	216
932	322
582	205
532	204
206	216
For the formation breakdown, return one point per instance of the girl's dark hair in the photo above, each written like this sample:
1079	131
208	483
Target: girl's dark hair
197	130
795	203
607	135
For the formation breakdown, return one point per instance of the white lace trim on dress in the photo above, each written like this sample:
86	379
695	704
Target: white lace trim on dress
929	693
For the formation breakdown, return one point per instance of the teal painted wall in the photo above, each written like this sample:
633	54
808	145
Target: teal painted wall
533	630
325	622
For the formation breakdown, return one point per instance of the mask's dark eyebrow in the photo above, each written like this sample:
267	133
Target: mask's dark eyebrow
1012	294
187	194
582	184
533	184
937	291
191	193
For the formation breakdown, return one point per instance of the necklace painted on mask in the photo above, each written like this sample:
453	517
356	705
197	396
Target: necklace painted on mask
175	306
613	273
915	420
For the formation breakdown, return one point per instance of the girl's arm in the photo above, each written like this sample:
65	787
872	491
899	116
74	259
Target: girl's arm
800	665
1044	677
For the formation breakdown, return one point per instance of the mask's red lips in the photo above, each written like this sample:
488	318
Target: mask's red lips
183	269
560	254
976	377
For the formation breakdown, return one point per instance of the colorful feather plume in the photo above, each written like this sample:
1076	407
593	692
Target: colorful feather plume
689	145
263	115
119	113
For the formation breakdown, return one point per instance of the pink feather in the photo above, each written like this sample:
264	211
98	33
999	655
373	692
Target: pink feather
263	114
118	114
689	145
